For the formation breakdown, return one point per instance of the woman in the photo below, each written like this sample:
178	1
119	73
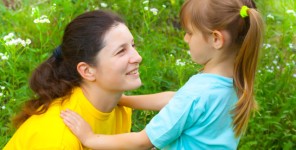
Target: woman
88	73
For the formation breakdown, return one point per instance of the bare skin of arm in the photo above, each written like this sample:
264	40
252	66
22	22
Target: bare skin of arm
147	102
83	131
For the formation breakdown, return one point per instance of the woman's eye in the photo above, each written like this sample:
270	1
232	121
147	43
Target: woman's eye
133	45
121	51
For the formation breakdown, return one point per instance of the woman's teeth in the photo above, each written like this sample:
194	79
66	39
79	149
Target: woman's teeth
133	72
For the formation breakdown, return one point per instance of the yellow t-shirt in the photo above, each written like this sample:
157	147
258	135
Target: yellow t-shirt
48	132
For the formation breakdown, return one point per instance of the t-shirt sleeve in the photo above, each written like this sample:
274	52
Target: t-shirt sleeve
173	119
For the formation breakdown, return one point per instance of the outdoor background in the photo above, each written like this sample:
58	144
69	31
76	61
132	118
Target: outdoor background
31	29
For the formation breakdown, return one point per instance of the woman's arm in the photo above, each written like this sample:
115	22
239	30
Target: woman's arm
147	102
135	140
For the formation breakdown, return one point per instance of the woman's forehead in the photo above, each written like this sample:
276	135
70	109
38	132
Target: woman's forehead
117	33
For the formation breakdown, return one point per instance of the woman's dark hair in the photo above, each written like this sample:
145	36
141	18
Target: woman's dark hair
55	78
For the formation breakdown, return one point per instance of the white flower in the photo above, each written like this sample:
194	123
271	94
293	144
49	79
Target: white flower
16	42
270	16
294	75
3	107
22	42
53	7
95	7
2	87
275	62
146	8
4	57
34	10
154	11
291	45
272	68
147	1
28	41
180	63
266	46
42	19
188	52
164	6
291	12
1	94
104	5
9	36
36	21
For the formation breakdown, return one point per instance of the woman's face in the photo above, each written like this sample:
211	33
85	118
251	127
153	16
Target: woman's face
117	68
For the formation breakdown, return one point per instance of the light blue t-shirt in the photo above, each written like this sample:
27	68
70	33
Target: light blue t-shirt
197	117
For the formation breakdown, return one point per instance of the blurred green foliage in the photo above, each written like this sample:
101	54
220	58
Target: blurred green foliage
159	39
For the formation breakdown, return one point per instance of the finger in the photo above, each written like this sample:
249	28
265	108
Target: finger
74	115
70	122
71	116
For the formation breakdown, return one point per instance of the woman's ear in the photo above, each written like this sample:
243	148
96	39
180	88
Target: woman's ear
86	71
217	39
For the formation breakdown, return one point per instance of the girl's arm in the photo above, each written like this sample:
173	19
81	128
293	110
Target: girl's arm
135	140
147	102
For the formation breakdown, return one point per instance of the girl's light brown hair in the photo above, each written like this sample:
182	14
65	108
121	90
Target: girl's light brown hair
246	34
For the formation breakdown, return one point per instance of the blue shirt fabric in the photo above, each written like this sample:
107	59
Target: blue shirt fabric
197	117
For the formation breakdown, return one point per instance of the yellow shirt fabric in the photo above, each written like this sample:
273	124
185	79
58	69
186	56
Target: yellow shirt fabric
48	132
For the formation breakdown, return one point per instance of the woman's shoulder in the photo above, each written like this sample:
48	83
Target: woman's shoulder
45	127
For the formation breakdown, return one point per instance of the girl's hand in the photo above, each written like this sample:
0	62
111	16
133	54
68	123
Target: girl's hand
135	140
77	125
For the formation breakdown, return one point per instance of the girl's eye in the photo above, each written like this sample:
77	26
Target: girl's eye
133	45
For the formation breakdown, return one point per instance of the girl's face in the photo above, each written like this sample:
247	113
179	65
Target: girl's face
200	49
117	68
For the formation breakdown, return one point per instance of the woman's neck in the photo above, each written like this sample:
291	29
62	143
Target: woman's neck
102	100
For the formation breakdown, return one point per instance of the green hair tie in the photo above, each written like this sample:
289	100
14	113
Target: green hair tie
243	11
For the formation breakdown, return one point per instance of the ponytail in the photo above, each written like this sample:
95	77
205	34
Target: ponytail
51	80
244	72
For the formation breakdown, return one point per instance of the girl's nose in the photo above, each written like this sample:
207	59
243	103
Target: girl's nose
186	38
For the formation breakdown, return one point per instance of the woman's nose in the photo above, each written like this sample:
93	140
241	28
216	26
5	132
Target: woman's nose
136	57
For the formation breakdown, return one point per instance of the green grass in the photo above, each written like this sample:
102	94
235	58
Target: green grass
159	40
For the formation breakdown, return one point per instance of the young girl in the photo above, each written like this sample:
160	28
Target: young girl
212	110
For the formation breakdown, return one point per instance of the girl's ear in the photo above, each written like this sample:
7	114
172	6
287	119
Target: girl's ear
86	71
217	39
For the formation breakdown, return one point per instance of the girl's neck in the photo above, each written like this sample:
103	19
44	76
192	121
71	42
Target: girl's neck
102	100
222	65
